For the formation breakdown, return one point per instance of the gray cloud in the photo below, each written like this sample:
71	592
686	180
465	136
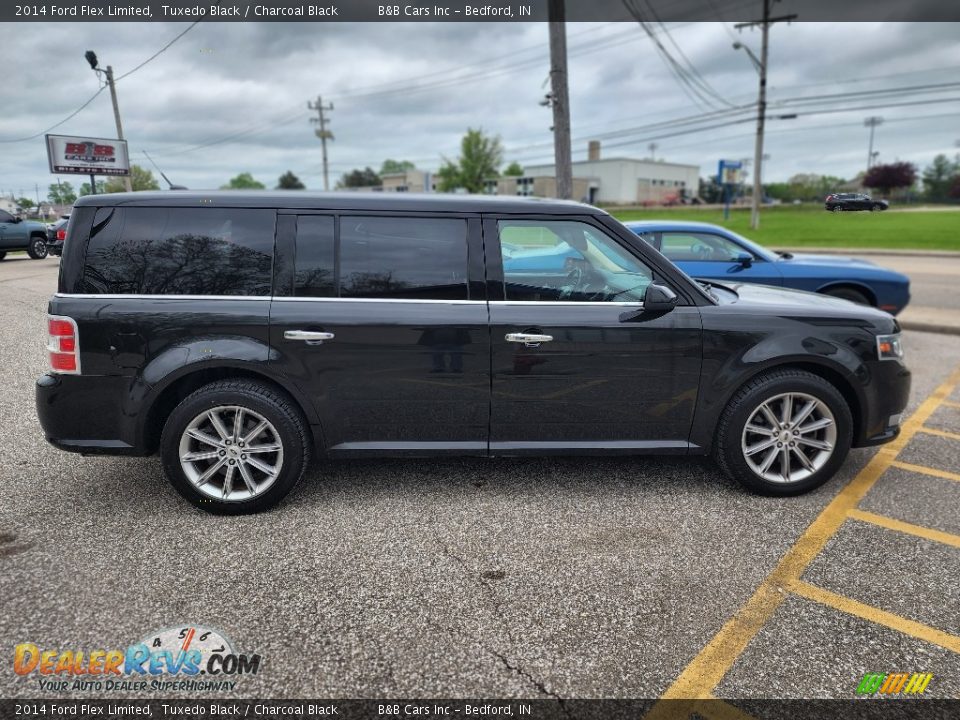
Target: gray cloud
251	82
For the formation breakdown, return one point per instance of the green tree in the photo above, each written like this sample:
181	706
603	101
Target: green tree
514	169
61	193
480	156
24	202
101	188
359	178
395	166
289	181
140	179
243	181
938	178
891	177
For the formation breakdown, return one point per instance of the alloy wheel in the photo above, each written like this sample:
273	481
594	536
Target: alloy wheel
789	437
231	453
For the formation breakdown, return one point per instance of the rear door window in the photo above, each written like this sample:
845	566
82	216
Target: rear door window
180	251
419	258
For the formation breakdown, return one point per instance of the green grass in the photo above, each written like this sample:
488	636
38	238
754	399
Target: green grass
812	226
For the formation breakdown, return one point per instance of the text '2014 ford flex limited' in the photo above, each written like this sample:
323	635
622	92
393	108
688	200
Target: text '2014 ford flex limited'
242	334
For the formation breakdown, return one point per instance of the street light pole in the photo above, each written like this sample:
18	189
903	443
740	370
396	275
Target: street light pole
872	122
92	59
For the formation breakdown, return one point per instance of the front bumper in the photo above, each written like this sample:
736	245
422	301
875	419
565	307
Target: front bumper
887	392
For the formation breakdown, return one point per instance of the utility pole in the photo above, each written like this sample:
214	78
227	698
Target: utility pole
128	184
322	133
560	99
764	24
871	122
652	147
91	57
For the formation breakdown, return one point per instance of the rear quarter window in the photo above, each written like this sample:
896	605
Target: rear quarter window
180	251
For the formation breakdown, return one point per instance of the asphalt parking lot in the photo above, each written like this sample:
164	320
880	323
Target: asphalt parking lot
529	578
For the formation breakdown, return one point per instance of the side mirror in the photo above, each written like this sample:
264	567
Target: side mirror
745	259
657	300
17	219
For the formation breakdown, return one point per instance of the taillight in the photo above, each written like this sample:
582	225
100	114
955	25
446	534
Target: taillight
61	234
62	344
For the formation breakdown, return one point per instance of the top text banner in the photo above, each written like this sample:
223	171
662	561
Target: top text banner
497	11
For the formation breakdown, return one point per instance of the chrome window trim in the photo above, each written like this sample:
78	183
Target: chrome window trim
410	301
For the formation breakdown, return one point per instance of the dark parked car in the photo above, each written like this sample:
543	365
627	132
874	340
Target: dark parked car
840	202
19	234
56	234
712	252
242	334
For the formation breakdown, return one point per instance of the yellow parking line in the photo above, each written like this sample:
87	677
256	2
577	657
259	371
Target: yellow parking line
710	665
905	527
940	433
950	403
876	615
923	469
714	709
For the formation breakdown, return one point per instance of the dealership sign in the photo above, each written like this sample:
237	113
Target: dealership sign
87	156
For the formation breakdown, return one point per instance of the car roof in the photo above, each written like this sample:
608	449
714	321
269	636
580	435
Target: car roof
299	199
690	225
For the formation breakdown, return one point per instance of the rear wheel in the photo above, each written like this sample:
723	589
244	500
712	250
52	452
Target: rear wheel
37	249
837	208
2	255
235	447
848	293
784	433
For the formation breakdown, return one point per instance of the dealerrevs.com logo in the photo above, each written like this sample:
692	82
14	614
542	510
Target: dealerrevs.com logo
190	658
894	683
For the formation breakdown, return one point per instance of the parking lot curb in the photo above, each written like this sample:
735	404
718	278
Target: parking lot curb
930	327
951	254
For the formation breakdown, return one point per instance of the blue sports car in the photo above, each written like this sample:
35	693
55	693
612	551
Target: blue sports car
711	252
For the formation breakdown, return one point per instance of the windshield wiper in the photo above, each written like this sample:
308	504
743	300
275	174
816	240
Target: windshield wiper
708	287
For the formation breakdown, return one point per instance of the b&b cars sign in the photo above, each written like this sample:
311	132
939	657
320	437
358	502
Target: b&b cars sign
87	156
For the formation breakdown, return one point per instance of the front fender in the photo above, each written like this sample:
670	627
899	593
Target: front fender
841	359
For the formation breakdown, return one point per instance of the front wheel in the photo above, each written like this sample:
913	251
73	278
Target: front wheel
875	208
235	447
2	255
848	293
784	433
37	249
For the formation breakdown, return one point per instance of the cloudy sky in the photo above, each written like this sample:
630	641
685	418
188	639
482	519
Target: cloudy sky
232	97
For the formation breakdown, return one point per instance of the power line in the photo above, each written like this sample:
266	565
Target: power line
53	127
161	50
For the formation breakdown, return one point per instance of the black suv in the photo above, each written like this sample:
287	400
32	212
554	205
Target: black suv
242	334
840	202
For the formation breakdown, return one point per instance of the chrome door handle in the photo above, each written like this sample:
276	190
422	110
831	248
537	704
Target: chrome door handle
308	335
528	339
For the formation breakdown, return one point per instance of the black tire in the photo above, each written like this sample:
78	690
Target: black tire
37	249
875	207
728	449
3	254
837	208
286	419
849	293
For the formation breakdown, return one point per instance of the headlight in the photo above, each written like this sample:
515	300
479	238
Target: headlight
889	347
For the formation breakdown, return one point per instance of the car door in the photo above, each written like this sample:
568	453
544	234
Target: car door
381	321
715	257
572	371
8	230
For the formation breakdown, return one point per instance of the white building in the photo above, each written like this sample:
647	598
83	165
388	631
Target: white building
628	181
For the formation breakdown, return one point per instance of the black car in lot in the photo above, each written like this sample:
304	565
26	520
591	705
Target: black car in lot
841	202
56	234
243	333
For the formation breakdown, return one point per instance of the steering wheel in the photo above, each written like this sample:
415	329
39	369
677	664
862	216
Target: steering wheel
702	251
575	281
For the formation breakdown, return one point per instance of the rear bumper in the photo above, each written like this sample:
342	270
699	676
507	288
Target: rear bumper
85	414
887	392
